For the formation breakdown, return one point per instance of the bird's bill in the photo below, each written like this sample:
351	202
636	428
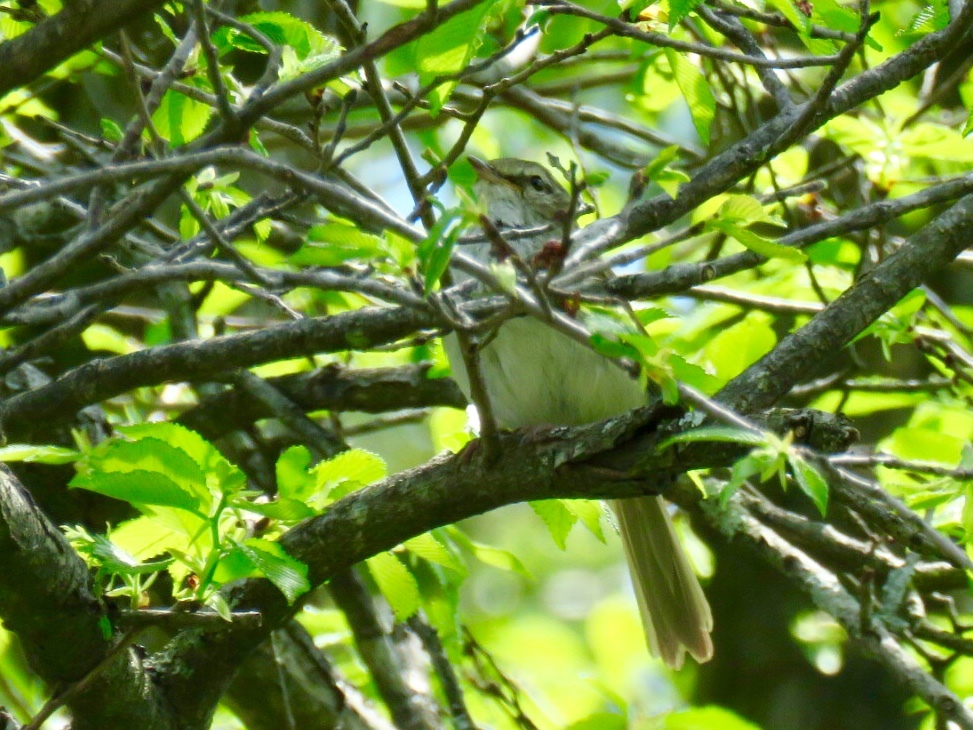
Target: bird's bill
484	170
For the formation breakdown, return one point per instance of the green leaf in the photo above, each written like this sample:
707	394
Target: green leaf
111	131
558	518
180	119
450	48
612	322
679	9
163	25
101	337
105	554
38	454
669	387
218	603
597	178
285	510
896	325
692	374
256	144
397	584
613	348
742	470
228	477
262	229
335	242
435	250
346	233
734	348
940	495
589	512
150	454
538	18
351	469
910	304
670	180
644	345
967	514
233	565
145	537
449	429
758	244
709	717
294	481
292	65
966	457
600	721
722	434
439	589
858	134
648	315
811	482
138	487
273	562
790	10
695	90
659	171
283	30
487	554
935	142
926	444
430	547
932	17
744	210
837	16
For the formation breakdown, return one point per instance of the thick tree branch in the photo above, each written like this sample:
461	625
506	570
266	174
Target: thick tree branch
563	463
81	23
24	414
49	602
331	388
795	358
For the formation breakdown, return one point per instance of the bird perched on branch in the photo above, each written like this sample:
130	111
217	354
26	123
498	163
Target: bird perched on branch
537	376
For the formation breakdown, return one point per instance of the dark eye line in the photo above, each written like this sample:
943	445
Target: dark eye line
535	181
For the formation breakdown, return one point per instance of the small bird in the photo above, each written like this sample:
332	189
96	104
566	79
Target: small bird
537	376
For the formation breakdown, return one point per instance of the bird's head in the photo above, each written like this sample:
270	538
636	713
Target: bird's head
519	193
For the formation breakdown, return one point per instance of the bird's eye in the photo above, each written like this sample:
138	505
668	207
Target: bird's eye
537	182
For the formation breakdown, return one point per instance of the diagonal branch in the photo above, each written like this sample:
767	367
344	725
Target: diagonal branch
80	24
938	243
827	592
100	379
750	153
48	601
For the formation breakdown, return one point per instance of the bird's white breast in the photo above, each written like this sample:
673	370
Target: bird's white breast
536	376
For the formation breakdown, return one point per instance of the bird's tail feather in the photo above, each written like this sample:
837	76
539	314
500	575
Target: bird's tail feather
675	613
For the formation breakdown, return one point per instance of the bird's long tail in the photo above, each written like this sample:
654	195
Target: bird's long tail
675	613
